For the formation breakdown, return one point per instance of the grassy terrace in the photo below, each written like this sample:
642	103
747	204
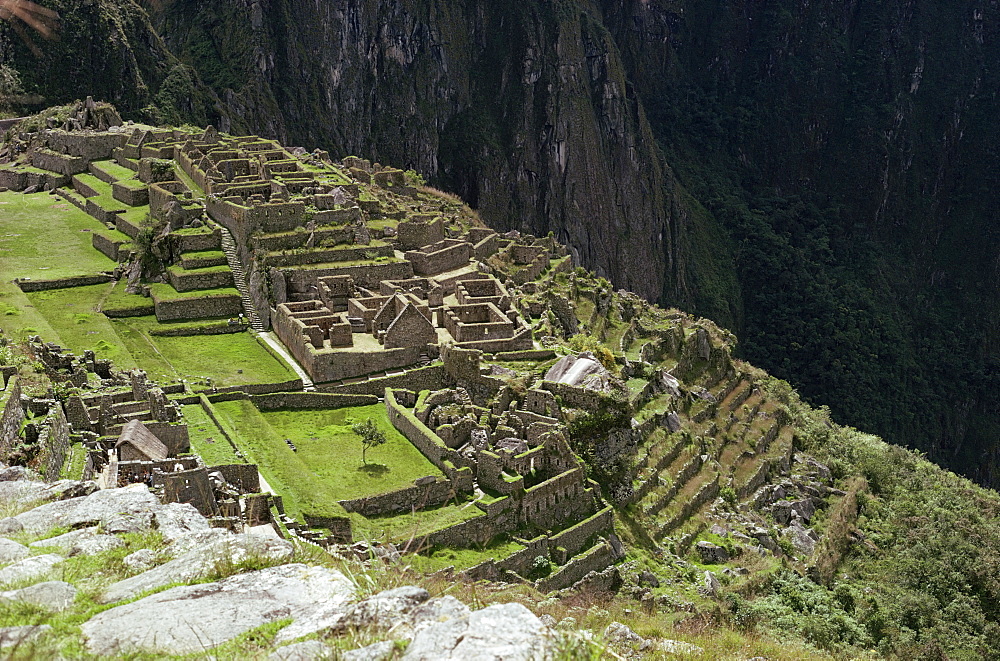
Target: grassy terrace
326	466
162	292
112	169
207	439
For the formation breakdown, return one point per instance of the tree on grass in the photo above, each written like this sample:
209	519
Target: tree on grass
371	436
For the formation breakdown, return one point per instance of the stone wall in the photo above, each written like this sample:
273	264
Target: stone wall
11	416
419	496
422	438
473	533
91	146
365	275
184	280
54	441
197	242
46	159
309	400
19	179
107	245
222	305
580	398
440	257
572	540
174	436
244	477
129	193
561	498
63	283
596	559
431	377
345	254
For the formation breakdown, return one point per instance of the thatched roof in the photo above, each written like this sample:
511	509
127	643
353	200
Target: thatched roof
143	440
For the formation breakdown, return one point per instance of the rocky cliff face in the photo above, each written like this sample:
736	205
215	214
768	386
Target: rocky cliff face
523	109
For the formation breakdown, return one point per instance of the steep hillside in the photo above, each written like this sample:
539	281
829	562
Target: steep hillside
819	178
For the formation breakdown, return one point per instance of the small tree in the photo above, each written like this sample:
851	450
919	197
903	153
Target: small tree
371	436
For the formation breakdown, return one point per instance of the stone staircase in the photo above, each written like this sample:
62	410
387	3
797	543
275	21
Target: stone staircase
239	277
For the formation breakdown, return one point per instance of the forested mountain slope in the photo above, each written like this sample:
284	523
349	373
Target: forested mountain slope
820	177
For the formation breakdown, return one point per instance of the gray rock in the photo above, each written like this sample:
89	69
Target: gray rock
208	614
86	541
10	526
11	551
802	538
429	613
384	610
649	578
678	647
99	507
66	541
712	554
28	568
197	563
15	473
195	540
507	631
96	544
783	510
381	651
53	595
308	650
141	560
128	522
711	585
63	489
174	520
18	637
620	635
29	491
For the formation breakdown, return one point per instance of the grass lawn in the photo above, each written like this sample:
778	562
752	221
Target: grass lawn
401	528
73	314
228	360
332	451
462	558
206	439
117	171
44	237
301	489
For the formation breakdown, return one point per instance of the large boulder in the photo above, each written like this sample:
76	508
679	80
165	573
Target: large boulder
51	595
193	618
28	568
11	551
712	554
174	520
101	507
229	550
506	631
583	371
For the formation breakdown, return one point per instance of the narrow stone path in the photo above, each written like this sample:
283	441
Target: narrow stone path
279	348
239	277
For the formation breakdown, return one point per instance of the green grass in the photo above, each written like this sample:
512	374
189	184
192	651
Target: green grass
119	172
135	215
401	528
119	300
302	490
462	558
228	360
133	184
102	187
205	254
73	314
207	439
162	292
43	237
76	459
332	451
